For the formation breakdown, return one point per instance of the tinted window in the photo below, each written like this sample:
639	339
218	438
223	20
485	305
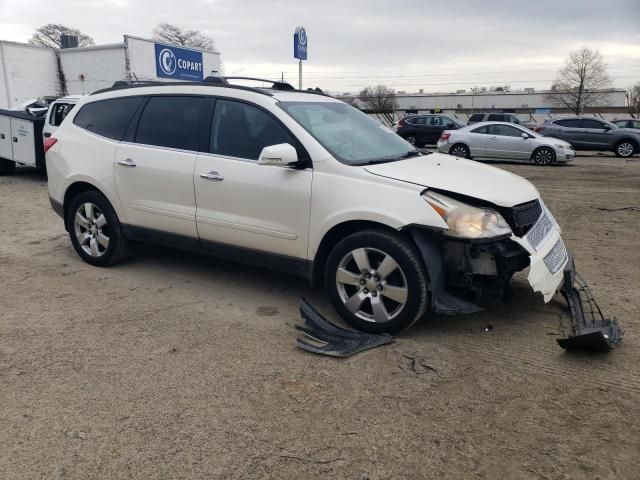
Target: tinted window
504	131
58	112
439	121
622	123
496	117
634	124
483	130
417	121
109	118
570	122
476	117
588	123
241	130
171	122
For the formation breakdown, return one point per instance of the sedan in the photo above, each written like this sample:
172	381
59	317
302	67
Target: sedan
500	140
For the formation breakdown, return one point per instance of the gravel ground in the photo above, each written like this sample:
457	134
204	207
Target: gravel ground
174	365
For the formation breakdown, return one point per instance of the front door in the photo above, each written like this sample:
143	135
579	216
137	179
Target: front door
505	141
154	170
243	204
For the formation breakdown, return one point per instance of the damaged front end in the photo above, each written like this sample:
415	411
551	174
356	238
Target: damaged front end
467	273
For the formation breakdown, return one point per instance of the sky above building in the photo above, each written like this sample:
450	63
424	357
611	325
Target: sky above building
433	45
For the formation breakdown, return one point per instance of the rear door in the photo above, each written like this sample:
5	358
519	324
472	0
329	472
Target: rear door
568	129
436	124
505	141
242	204
155	164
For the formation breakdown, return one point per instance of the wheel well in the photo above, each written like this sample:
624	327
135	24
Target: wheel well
333	236
74	190
630	140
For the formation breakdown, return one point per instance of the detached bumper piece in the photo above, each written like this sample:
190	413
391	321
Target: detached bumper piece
589	329
321	336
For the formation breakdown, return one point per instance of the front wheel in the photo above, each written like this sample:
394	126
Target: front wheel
625	149
376	281
544	156
95	230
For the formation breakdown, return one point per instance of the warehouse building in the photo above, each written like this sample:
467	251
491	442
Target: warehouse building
28	72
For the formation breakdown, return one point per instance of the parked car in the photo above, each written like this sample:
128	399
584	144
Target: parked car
627	123
592	134
422	130
504	140
228	170
499	117
58	110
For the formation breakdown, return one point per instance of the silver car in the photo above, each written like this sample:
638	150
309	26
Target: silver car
502	140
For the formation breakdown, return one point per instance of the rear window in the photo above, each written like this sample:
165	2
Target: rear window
171	122
58	113
108	118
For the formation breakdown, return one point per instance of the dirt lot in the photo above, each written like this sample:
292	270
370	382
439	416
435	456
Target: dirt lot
173	365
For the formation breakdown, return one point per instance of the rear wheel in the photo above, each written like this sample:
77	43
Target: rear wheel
544	156
7	166
376	281
459	150
95	230
625	149
412	140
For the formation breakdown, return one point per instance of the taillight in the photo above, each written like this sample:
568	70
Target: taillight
538	129
445	136
49	142
400	123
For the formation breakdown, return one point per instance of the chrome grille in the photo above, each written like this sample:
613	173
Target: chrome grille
556	256
540	230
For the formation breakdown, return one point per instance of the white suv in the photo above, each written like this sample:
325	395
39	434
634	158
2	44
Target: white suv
299	182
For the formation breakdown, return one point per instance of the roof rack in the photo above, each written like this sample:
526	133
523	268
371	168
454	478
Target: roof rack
209	82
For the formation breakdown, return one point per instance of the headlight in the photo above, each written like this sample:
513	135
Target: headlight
560	145
465	221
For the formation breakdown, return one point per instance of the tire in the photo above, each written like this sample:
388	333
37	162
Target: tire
367	298
412	140
543	156
7	167
625	149
97	221
460	150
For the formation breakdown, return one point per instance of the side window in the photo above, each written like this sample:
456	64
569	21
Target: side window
242	130
171	122
621	123
109	118
58	112
437	121
483	130
588	123
418	121
634	124
496	117
504	131
570	122
476	117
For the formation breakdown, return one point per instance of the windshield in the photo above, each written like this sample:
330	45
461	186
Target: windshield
350	135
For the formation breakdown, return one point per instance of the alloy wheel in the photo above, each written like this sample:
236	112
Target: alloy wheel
544	156
91	230
372	285
625	149
458	151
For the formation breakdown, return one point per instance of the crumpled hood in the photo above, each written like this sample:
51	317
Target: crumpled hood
458	175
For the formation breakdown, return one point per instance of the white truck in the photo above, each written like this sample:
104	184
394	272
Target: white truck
22	134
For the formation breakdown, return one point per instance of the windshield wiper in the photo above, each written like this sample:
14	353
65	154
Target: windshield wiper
410	153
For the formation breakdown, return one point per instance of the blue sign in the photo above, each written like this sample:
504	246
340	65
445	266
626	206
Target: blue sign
178	63
300	42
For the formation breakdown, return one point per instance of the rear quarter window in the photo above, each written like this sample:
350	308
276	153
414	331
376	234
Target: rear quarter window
496	117
476	117
108	118
59	111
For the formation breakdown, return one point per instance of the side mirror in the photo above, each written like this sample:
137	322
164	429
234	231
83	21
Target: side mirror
525	136
606	128
281	155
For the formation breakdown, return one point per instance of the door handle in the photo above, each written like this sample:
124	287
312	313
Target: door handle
127	163
213	176
15	139
2	136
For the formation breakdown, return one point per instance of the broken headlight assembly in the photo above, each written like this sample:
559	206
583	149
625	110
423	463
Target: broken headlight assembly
465	221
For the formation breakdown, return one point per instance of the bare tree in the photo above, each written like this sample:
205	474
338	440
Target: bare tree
633	99
50	35
378	99
350	99
165	32
582	82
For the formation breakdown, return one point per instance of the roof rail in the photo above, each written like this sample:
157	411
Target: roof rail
207	82
275	84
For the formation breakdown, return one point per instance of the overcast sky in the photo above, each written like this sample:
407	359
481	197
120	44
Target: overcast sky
410	44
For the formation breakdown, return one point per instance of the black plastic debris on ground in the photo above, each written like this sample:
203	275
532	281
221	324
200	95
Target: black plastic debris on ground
589	329
321	336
